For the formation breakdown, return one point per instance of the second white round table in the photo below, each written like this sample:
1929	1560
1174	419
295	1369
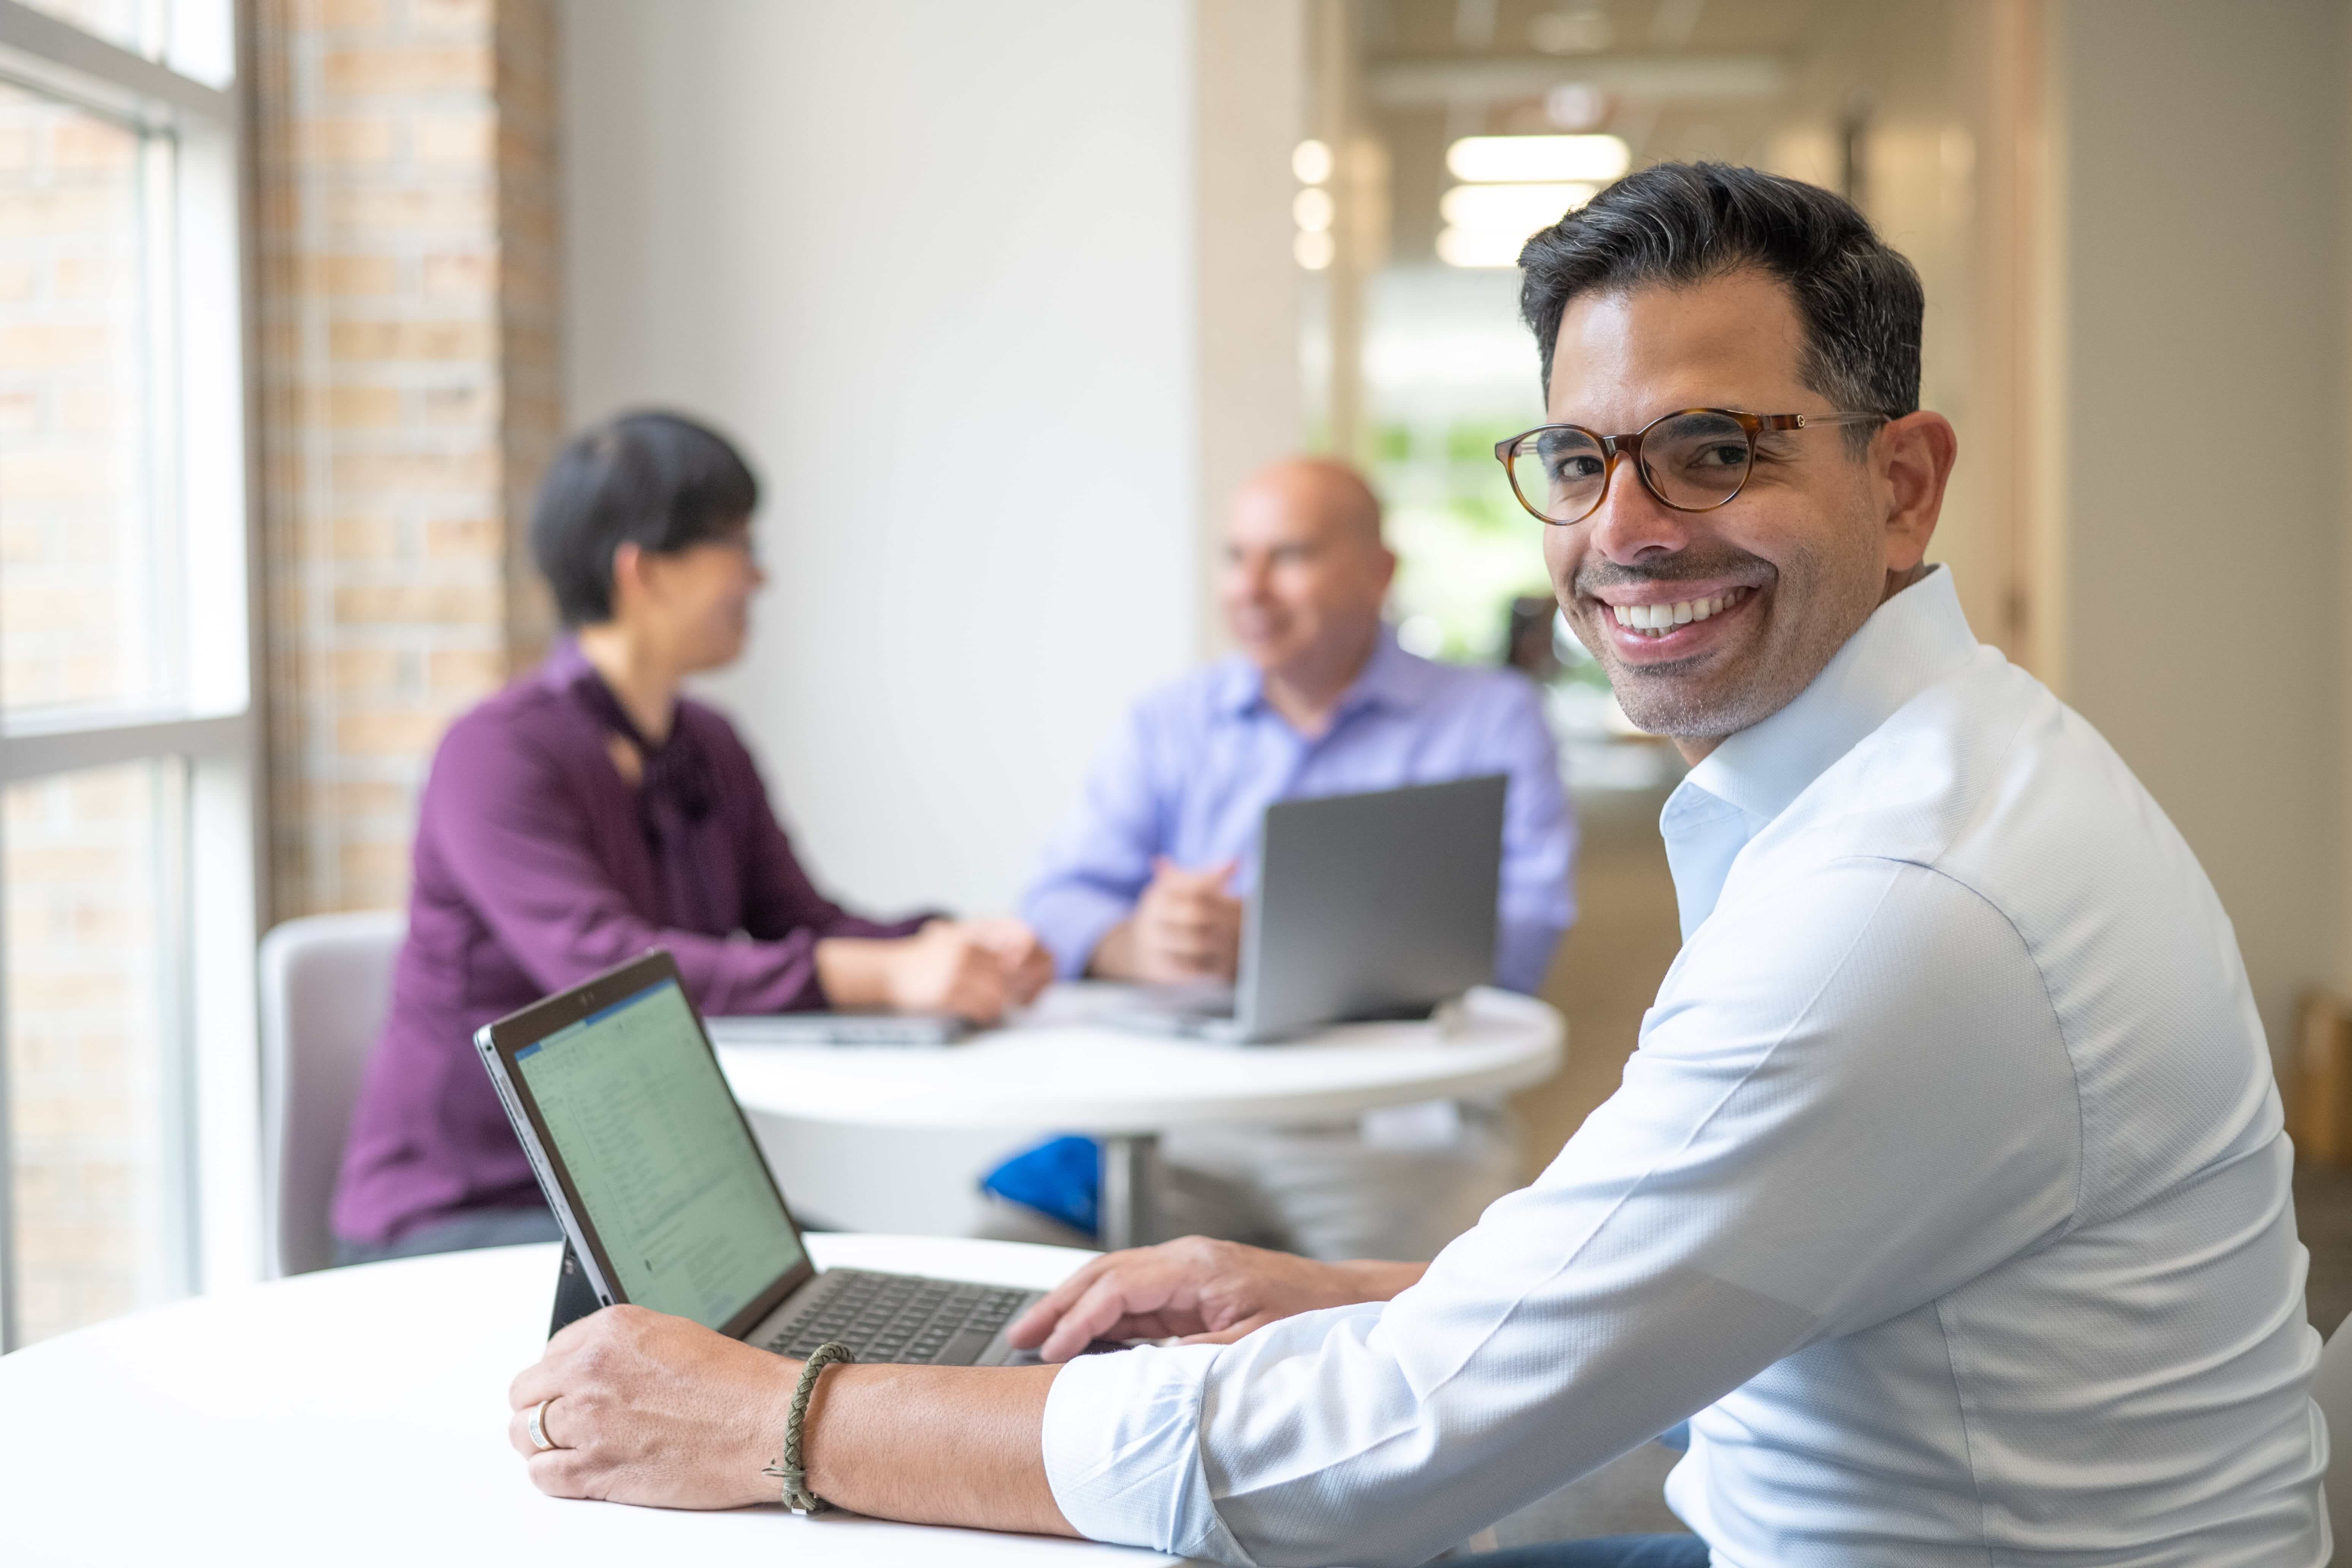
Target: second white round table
1059	1067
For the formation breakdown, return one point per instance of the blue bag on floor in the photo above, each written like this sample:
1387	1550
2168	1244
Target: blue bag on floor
1060	1178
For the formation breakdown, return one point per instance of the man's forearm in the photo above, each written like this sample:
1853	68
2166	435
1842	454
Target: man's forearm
935	1446
1113	955
1377	1279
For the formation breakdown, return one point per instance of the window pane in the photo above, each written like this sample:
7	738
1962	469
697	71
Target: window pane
92	865
139	26
82	202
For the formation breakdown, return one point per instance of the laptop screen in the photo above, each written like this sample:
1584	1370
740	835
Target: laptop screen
649	1133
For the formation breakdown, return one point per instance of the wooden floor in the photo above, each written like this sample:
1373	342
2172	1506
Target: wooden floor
2323	1215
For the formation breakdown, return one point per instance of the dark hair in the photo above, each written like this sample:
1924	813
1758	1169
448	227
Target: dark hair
659	482
1679	224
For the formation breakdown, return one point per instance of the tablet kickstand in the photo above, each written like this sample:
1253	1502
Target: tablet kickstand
574	1297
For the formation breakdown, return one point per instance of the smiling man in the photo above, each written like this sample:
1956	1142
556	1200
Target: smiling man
1946	1195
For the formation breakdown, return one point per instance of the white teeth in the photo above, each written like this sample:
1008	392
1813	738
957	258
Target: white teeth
1662	617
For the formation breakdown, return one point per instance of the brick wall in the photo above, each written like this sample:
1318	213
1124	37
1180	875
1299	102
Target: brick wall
406	243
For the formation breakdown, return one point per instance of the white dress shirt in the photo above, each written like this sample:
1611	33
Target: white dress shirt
1947	1187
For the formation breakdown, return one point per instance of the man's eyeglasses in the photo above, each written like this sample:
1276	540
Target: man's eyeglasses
1693	459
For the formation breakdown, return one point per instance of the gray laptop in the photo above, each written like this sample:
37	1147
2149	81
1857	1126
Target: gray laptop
666	1201
1367	906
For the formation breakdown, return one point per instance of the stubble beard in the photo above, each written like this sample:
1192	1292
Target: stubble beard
1747	685
1658	704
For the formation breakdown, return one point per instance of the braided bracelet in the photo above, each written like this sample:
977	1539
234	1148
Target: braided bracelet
789	1468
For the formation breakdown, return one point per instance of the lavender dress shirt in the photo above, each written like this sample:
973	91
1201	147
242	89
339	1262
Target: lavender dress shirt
537	864
1190	773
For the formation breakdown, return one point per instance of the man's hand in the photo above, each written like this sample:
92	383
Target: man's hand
659	1411
1186	927
651	1409
1208	1291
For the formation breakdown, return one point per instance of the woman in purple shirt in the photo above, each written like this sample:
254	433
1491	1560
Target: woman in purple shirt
587	812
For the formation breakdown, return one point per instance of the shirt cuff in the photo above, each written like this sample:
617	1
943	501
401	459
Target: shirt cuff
1524	950
1072	923
1122	1444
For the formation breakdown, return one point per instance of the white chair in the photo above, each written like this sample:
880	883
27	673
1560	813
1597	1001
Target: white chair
326	986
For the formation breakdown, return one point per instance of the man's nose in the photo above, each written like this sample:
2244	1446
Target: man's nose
1631	522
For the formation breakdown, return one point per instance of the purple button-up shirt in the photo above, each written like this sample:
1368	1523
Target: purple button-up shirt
1190	773
537	864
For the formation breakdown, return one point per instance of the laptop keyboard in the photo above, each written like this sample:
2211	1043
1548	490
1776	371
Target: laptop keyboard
901	1318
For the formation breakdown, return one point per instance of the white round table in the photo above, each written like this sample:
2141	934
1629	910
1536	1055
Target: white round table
1057	1067
359	1416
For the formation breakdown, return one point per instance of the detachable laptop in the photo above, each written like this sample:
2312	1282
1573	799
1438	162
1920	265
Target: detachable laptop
667	1202
1367	906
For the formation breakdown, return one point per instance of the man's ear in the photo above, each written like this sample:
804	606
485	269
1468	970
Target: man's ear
1913	460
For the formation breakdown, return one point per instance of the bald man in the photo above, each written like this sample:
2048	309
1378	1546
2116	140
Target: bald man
1147	884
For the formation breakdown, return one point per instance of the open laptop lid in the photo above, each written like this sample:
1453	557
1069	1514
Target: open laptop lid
642	1150
1374	905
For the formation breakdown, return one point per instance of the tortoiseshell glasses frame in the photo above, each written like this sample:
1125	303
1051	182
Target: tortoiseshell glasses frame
1692	459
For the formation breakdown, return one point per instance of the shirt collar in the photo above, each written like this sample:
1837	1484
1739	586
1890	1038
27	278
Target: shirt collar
1910	642
565	664
568	671
1391	677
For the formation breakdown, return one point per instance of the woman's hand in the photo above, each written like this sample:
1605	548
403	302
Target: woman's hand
1208	1291
651	1409
949	966
1029	967
977	969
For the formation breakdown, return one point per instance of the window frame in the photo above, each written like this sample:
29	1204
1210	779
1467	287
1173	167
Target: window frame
207	474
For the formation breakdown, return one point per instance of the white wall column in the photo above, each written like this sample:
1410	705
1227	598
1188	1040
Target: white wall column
2201	160
934	265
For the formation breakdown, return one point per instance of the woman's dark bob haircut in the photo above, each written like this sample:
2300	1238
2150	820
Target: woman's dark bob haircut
659	482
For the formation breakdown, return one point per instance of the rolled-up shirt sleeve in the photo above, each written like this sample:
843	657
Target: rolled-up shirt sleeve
1094	873
1819	1131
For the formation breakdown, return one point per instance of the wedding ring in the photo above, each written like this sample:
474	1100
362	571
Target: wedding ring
537	1432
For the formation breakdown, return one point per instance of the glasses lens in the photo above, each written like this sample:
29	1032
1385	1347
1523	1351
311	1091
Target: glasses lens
1696	460
1559	473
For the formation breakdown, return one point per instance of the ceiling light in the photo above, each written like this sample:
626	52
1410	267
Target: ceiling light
1477	247
1312	208
1311	161
1313	247
1595	158
1522	209
1578	30
1575	105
